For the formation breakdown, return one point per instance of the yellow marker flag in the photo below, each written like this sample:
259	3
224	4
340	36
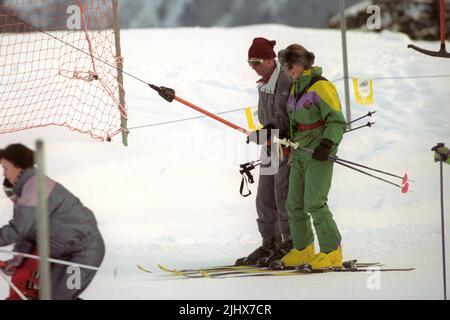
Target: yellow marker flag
363	90
250	119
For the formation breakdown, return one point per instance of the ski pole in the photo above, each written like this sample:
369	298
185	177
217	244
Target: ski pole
442	52
404	178
335	158
368	124
443	230
442	154
369	114
346	163
404	188
169	95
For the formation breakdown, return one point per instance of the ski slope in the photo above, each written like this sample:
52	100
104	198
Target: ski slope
172	197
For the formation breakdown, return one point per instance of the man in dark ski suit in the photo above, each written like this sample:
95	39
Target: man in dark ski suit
273	89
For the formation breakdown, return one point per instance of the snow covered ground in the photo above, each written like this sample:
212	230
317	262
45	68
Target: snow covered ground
171	197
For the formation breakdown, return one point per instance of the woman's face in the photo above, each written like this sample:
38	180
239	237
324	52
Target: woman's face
294	71
10	171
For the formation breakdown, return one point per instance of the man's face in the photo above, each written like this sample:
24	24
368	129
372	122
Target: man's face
263	68
10	171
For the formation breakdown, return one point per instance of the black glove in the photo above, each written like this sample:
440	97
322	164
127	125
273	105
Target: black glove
256	136
322	151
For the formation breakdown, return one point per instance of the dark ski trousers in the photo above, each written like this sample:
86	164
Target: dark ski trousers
65	285
271	196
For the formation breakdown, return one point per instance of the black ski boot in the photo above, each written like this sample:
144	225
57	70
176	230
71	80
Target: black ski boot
252	258
276	255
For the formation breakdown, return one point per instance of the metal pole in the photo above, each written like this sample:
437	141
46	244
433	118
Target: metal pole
345	62
212	115
123	118
42	225
442	20
443	230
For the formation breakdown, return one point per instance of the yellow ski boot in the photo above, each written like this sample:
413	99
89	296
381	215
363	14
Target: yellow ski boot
332	259
297	257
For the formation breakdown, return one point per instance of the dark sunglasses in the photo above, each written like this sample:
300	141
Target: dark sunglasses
255	61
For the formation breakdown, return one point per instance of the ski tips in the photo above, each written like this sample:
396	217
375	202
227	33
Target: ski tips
163	268
144	269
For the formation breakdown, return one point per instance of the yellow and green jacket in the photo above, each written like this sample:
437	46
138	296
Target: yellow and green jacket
314	110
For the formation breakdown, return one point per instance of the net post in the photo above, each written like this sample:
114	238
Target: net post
42	225
123	118
343	24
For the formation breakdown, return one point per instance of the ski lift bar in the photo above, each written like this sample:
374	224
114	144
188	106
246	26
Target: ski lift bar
442	53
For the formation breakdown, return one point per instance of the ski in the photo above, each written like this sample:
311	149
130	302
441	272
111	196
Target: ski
206	269
180	272
269	273
233	269
351	264
235	273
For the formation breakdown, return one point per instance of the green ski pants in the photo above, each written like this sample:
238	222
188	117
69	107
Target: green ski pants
309	184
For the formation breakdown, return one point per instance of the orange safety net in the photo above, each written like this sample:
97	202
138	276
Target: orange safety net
45	81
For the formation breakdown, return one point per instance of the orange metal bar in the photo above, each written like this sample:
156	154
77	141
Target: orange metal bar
212	115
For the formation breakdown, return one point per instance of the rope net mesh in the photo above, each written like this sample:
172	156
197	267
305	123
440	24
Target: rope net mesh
45	81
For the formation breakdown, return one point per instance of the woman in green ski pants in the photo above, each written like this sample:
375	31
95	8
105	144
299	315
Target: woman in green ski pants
316	123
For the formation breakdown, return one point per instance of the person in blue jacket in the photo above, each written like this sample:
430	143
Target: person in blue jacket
73	232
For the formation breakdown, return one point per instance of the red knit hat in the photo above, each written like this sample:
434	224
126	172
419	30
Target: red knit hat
262	48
